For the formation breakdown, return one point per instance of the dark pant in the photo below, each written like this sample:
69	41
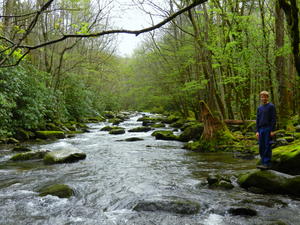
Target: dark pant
265	150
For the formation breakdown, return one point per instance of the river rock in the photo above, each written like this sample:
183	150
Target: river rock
59	190
133	139
271	181
140	129
29	155
164	135
68	155
192	132
220	182
21	149
172	205
49	134
117	131
286	158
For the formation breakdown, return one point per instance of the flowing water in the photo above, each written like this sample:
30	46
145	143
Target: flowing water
117	174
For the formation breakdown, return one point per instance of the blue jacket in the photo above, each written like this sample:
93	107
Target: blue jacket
266	116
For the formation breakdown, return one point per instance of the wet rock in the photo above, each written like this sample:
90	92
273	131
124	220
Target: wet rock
172	205
140	129
117	131
242	212
217	181
171	119
158	125
271	181
192	132
108	115
23	135
49	134
286	158
59	190
106	128
29	155
11	141
68	155
115	121
164	135
133	139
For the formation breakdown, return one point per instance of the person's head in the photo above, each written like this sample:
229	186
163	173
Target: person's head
264	97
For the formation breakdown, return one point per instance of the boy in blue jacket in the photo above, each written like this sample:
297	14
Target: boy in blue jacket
265	127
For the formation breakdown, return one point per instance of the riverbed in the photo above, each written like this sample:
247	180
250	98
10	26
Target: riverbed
117	174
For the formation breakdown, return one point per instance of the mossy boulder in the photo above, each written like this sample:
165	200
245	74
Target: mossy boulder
178	124
171	119
132	139
117	131
164	135
140	129
158	125
106	128
219	182
115	121
108	115
68	155
10	141
192	132
23	135
286	158
171	205
29	155
271	181
59	190
50	134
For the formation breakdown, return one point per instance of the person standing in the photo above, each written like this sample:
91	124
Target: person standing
265	127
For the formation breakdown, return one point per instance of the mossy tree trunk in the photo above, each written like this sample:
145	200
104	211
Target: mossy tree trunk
212	125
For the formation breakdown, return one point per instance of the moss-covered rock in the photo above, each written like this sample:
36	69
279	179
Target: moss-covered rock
11	141
172	205
108	114
68	155
29	155
23	135
171	119
220	182
192	132
286	158
117	131
49	134
115	121
158	125
59	190
140	129
271	181
164	135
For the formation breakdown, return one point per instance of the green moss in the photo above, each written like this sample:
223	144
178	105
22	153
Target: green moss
59	190
140	129
117	131
28	156
164	135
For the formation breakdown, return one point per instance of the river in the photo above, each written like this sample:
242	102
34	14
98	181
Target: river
117	174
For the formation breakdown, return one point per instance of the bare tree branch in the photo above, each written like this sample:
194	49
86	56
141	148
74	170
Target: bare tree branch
96	34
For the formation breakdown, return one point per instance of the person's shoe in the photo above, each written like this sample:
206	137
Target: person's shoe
263	167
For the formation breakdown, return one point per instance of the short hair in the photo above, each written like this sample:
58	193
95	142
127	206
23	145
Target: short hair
264	93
